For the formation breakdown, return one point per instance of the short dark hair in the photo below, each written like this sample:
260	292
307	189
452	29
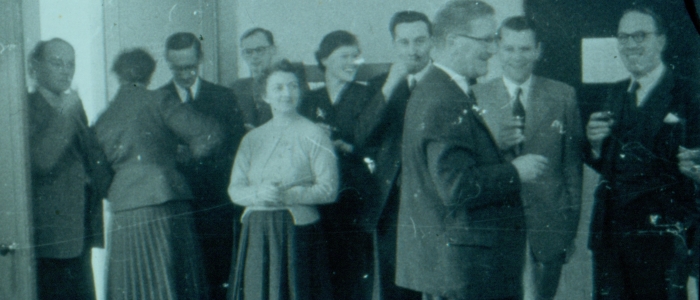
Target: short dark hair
135	66
283	66
456	15
661	27
520	23
409	16
332	41
184	40
37	53
250	32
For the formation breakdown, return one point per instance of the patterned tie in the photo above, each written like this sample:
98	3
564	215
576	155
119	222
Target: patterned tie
519	112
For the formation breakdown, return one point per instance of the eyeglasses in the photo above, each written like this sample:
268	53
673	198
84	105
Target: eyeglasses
486	40
258	50
638	36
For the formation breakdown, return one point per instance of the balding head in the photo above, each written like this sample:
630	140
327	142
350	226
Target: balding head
52	64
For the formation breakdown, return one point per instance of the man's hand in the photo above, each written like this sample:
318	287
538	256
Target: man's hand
530	166
689	163
397	73
511	133
343	146
598	129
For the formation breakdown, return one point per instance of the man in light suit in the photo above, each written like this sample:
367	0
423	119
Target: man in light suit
257	49
461	229
208	177
380	128
70	177
643	204
552	128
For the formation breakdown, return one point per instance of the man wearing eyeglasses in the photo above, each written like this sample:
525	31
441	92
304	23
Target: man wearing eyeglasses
533	114
208	177
643	204
461	229
258	50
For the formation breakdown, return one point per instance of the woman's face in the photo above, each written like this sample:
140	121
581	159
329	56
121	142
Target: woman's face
282	92
342	63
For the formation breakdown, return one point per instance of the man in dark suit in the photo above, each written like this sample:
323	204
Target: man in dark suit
380	128
69	177
257	49
643	204
532	114
215	215
461	226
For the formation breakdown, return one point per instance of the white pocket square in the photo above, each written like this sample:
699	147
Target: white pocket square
671	118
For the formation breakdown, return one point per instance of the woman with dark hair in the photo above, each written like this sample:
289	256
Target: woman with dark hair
153	253
337	107
283	170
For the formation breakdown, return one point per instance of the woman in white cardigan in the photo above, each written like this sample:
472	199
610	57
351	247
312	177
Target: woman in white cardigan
283	169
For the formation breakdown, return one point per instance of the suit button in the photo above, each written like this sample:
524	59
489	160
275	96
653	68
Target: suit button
622	156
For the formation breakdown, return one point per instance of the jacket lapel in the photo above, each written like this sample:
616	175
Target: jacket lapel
656	106
538	109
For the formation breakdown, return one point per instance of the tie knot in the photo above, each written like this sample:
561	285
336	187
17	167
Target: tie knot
634	87
190	96
412	81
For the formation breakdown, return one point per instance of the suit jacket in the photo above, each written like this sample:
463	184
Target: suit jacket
69	180
254	110
461	225
140	132
553	130
380	127
638	164
210	175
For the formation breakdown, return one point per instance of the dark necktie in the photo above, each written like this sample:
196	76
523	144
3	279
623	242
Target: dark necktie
189	95
519	112
632	93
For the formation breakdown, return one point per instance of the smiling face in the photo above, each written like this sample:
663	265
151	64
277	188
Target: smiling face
282	92
412	45
342	63
470	56
55	70
644	56
184	65
518	52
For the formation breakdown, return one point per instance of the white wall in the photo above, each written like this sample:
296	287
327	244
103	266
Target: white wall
299	25
80	23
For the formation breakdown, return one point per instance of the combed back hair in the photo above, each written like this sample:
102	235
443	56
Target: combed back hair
283	66
184	40
332	41
134	66
268	35
409	16
37	53
520	23
456	15
661	27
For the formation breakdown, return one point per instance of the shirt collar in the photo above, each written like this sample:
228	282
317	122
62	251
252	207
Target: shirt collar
51	98
460	80
182	92
650	79
419	75
512	86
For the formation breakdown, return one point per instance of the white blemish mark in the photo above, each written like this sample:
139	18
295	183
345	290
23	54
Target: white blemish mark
170	13
415	231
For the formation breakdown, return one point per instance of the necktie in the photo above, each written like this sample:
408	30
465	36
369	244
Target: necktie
632	93
411	82
189	95
519	111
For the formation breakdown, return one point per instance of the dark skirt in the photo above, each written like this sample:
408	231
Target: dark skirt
153	254
278	260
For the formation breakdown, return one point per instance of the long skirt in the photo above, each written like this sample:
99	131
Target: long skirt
279	261
153	254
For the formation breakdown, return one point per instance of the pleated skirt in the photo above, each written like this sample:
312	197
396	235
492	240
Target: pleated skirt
279	261
153	254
